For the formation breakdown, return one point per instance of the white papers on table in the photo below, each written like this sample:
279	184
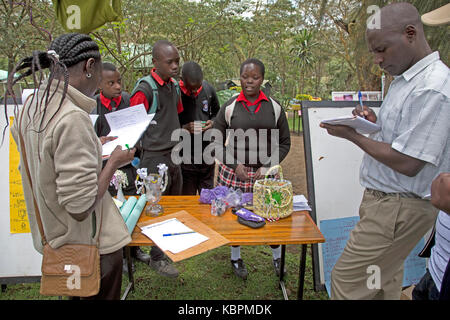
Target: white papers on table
360	124
128	125
94	118
300	203
175	243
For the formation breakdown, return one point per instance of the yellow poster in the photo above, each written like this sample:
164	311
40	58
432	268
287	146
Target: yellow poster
17	207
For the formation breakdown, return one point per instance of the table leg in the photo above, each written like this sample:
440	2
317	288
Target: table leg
282	285
130	273
301	277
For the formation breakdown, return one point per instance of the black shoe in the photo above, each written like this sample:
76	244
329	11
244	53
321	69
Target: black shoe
239	268
125	266
142	256
277	265
164	268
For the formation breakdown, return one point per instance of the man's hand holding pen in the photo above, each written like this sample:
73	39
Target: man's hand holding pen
365	112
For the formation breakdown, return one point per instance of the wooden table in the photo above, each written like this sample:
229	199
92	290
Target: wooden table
298	228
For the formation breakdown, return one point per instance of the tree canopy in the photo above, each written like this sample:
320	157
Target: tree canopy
309	47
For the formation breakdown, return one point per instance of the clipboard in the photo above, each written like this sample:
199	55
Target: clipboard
361	125
215	239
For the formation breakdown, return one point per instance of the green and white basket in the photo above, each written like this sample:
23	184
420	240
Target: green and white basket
273	198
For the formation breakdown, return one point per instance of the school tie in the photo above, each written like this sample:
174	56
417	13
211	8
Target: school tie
113	105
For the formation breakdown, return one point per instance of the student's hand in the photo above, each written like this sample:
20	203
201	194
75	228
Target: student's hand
121	157
344	132
241	172
365	112
260	173
440	192
208	125
104	140
189	127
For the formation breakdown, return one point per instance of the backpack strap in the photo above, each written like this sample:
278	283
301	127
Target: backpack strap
177	87
276	109
153	93
229	112
230	108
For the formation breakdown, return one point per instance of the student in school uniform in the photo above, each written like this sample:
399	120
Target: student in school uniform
200	107
250	110
160	94
111	98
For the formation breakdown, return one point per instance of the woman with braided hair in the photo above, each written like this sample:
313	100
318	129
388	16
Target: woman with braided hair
64	156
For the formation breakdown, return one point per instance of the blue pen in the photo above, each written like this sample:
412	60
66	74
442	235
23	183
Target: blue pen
177	233
361	103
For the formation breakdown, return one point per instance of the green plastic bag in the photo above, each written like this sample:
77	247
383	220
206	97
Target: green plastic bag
85	16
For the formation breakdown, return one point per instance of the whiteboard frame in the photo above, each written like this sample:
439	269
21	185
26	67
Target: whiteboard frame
306	107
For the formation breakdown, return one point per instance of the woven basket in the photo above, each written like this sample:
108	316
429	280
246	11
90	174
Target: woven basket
272	198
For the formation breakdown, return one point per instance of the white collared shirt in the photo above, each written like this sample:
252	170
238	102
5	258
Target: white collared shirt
415	120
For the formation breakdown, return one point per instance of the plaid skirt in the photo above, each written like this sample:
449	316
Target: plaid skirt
227	177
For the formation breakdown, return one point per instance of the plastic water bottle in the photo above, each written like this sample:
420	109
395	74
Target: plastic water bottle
135	162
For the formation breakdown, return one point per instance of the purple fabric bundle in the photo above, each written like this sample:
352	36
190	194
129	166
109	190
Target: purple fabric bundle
207	195
222	192
247	198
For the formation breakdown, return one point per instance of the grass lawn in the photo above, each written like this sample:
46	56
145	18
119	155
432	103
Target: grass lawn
208	277
298	122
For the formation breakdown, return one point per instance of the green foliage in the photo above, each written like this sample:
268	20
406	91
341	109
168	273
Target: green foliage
311	46
225	95
303	97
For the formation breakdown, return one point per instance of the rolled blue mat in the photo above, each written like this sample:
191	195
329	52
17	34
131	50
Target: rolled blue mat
127	208
136	213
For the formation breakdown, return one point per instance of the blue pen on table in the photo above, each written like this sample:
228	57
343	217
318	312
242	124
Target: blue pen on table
177	233
361	103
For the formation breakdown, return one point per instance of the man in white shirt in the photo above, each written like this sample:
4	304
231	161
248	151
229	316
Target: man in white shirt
400	161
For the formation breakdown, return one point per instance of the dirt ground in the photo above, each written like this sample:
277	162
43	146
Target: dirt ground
293	165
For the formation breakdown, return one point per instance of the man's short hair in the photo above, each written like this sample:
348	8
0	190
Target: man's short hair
191	70
108	66
158	46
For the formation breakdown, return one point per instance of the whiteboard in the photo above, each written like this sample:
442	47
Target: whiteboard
18	258
334	191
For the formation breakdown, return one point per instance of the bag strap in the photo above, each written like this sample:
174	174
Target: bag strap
36	208
229	112
24	158
276	109
155	98
153	93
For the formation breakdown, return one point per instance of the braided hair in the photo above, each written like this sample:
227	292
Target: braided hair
64	52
